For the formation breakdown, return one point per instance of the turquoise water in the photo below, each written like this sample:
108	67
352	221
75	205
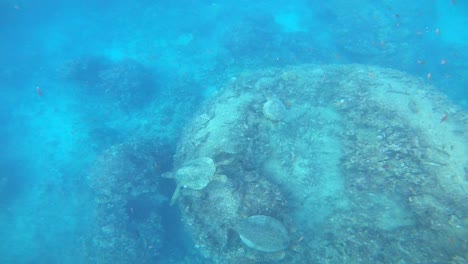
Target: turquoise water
95	96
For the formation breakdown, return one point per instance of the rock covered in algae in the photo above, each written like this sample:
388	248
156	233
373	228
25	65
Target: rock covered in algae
274	110
401	144
263	233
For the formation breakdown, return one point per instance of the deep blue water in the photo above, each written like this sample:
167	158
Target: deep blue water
81	77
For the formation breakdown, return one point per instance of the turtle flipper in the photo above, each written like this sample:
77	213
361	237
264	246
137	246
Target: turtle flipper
175	195
168	175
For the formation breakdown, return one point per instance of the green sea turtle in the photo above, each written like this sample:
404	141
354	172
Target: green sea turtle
274	110
194	174
263	233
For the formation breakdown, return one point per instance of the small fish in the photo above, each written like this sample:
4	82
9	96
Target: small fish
444	117
38	91
429	76
443	61
340	102
437	31
421	62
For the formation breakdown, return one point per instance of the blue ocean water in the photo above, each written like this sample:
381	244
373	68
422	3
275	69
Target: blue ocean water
95	96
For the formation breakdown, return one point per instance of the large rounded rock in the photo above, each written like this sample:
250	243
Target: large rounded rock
346	152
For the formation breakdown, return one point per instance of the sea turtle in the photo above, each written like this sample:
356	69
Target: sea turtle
194	174
274	110
263	233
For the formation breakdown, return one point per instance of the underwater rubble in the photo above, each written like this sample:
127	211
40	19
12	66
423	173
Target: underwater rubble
128	226
359	164
124	84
